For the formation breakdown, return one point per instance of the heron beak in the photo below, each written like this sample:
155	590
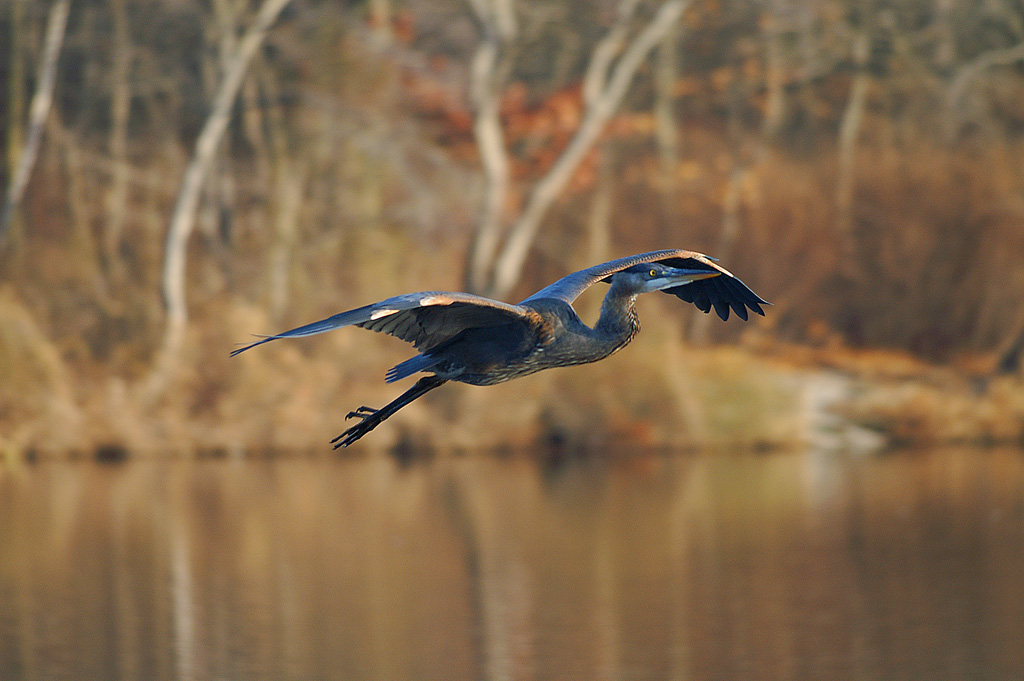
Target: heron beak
681	277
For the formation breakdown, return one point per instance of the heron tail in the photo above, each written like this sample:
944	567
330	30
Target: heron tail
410	367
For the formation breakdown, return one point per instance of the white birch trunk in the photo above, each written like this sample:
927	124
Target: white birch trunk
38	111
184	217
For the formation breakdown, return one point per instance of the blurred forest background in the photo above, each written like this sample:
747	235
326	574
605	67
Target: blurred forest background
181	174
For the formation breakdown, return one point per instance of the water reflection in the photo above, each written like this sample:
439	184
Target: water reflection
789	566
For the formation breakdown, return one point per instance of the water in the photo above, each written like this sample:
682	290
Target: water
782	566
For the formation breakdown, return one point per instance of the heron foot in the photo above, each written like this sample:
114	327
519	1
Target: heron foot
361	412
369	417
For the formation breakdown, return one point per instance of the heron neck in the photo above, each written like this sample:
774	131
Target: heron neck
618	318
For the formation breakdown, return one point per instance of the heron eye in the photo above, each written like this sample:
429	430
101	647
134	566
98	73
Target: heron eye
652	274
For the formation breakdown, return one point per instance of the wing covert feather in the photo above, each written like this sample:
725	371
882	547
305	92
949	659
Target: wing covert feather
425	319
723	292
569	287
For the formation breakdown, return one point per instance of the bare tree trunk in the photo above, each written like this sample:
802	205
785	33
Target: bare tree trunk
600	221
731	205
290	190
731	224
289	182
849	131
183	219
499	27
732	199
666	133
509	264
684	390
775	102
82	210
688	504
16	86
380	21
217	195
254	121
117	198
38	112
596	78
607	628
943	26
1010	353
502	593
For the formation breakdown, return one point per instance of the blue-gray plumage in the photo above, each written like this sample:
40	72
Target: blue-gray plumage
471	339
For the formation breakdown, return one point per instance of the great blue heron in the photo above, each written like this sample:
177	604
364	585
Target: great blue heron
471	339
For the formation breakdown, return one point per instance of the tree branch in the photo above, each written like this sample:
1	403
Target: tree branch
499	30
967	73
596	78
510	262
849	131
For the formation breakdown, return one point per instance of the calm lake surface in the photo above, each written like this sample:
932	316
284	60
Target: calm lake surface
779	566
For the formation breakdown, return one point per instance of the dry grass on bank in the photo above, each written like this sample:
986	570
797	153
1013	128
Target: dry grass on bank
292	396
907	401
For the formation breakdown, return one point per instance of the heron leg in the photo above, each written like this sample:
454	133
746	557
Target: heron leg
370	418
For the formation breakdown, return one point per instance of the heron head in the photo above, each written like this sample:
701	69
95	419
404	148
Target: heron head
654	276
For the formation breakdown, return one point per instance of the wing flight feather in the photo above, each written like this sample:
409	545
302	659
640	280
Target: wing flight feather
424	319
722	292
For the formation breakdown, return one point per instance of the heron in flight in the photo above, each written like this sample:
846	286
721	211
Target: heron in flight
471	339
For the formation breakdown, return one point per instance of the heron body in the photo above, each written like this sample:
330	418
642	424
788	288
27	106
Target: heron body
471	339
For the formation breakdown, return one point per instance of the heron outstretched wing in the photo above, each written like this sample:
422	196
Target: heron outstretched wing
426	319
722	291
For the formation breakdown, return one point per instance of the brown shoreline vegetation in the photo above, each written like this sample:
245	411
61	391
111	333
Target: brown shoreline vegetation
661	392
873	197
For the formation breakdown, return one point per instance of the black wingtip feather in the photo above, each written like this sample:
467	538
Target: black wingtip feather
724	297
736	293
724	293
747	297
722	310
701	300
